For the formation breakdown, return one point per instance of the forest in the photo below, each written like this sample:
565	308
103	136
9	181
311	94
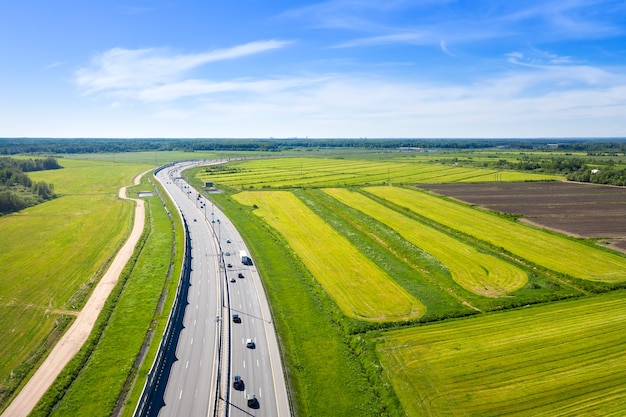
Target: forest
17	190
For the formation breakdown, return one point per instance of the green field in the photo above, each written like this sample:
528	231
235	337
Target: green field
563	359
360	288
338	266
109	356
333	172
477	272
56	253
550	250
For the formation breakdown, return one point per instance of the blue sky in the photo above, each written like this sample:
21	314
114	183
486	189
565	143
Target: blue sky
339	68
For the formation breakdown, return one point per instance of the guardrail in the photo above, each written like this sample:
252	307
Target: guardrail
151	400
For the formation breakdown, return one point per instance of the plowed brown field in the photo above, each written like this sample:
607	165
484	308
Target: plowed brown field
585	210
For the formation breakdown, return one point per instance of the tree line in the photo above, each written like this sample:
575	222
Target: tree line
17	190
12	146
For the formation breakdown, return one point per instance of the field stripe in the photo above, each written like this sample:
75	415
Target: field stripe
475	271
359	287
547	249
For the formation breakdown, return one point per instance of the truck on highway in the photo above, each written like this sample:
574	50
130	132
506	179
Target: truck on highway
245	259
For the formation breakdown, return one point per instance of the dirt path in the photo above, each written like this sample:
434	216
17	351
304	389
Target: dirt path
77	334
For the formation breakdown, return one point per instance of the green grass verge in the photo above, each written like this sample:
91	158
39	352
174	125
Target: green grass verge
159	322
562	359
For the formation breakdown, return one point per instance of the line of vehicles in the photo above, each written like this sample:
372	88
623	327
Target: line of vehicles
238	383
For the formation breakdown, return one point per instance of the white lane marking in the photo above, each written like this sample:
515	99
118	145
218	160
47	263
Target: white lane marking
203	340
201	363
194	322
180	395
191	341
244	364
260	394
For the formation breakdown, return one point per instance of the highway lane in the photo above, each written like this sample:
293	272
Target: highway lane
191	389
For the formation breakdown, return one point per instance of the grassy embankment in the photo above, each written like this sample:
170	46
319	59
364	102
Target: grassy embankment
561	359
98	379
56	253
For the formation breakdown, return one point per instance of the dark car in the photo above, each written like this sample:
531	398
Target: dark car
238	383
229	265
240	275
252	401
236	318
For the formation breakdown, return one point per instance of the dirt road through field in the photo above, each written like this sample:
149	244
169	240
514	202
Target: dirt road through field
77	334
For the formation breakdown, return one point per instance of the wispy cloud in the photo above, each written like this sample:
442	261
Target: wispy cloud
122	70
512	104
427	22
53	65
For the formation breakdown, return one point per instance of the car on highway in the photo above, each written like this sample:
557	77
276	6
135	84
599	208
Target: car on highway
252	401
227	240
236	318
237	383
227	253
240	275
230	265
232	279
250	343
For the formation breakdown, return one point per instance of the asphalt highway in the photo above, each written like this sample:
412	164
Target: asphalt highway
192	388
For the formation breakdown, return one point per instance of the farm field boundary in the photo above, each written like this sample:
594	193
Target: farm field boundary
552	251
576	209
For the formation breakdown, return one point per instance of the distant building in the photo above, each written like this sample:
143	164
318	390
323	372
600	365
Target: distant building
208	184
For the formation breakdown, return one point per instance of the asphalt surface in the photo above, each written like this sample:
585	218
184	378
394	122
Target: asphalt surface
192	388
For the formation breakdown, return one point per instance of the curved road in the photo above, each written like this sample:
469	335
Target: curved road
192	387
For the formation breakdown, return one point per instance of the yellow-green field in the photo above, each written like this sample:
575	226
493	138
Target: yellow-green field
563	359
557	253
359	287
53	253
477	272
332	172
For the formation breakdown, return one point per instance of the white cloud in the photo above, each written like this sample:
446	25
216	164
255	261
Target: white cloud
118	69
505	106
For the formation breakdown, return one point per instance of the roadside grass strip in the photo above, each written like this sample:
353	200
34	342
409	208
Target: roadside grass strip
562	359
477	272
550	250
359	287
